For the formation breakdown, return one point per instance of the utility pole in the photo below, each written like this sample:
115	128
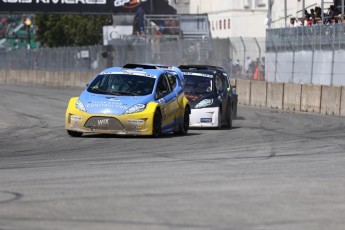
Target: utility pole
285	12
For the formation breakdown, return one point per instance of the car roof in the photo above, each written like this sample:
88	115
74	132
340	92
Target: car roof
136	71
207	71
201	67
147	66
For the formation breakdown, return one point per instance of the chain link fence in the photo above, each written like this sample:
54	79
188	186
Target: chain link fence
312	55
232	54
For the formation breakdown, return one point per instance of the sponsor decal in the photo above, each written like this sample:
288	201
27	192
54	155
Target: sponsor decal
128	3
192	96
205	120
198	74
67	2
106	104
76	118
130	72
103	122
112	99
135	122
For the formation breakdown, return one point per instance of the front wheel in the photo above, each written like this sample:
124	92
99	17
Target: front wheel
220	120
185	126
157	124
74	133
229	118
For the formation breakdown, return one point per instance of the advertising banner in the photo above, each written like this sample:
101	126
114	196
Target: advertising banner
85	6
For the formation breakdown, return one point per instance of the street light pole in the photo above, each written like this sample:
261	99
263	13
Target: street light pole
28	25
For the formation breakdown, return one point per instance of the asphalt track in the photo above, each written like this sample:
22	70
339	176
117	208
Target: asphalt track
273	170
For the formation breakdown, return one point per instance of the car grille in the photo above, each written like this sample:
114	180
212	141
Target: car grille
104	123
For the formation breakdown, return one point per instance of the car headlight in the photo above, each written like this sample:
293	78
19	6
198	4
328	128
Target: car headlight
136	109
204	103
79	105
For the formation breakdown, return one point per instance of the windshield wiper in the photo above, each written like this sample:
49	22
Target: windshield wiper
96	90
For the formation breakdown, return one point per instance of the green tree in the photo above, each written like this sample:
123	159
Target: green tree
70	30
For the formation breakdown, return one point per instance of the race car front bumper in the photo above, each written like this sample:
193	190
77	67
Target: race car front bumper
205	117
140	123
122	125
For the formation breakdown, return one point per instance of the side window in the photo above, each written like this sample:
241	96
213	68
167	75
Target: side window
226	81
172	81
162	86
219	83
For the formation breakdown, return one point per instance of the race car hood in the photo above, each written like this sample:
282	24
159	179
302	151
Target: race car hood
110	104
194	99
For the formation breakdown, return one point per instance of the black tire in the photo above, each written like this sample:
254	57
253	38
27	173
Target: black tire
229	118
157	124
220	119
74	133
185	126
234	111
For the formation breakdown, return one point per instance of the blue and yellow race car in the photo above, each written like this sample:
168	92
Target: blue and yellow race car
130	101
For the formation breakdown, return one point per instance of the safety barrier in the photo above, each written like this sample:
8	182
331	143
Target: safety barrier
3	77
243	89
258	93
330	100
292	97
311	98
342	101
46	78
275	93
327	100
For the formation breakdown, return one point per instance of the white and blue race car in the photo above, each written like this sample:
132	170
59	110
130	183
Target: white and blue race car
209	98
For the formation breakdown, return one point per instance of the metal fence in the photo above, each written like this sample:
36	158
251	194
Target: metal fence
314	55
141	49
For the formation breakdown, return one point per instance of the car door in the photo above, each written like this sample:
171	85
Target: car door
167	99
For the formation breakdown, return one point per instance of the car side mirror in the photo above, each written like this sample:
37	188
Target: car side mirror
233	89
208	89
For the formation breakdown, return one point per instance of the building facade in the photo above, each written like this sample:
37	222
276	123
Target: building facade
246	18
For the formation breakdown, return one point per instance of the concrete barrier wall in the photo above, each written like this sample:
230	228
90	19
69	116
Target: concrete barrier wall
13	77
292	97
342	101
308	98
69	79
330	100
243	89
311	98
232	81
40	77
49	78
275	94
24	77
3	77
258	93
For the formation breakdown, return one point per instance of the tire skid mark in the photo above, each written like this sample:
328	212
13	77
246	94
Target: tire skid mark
9	196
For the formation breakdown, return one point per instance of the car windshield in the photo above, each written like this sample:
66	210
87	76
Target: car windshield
122	85
197	84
